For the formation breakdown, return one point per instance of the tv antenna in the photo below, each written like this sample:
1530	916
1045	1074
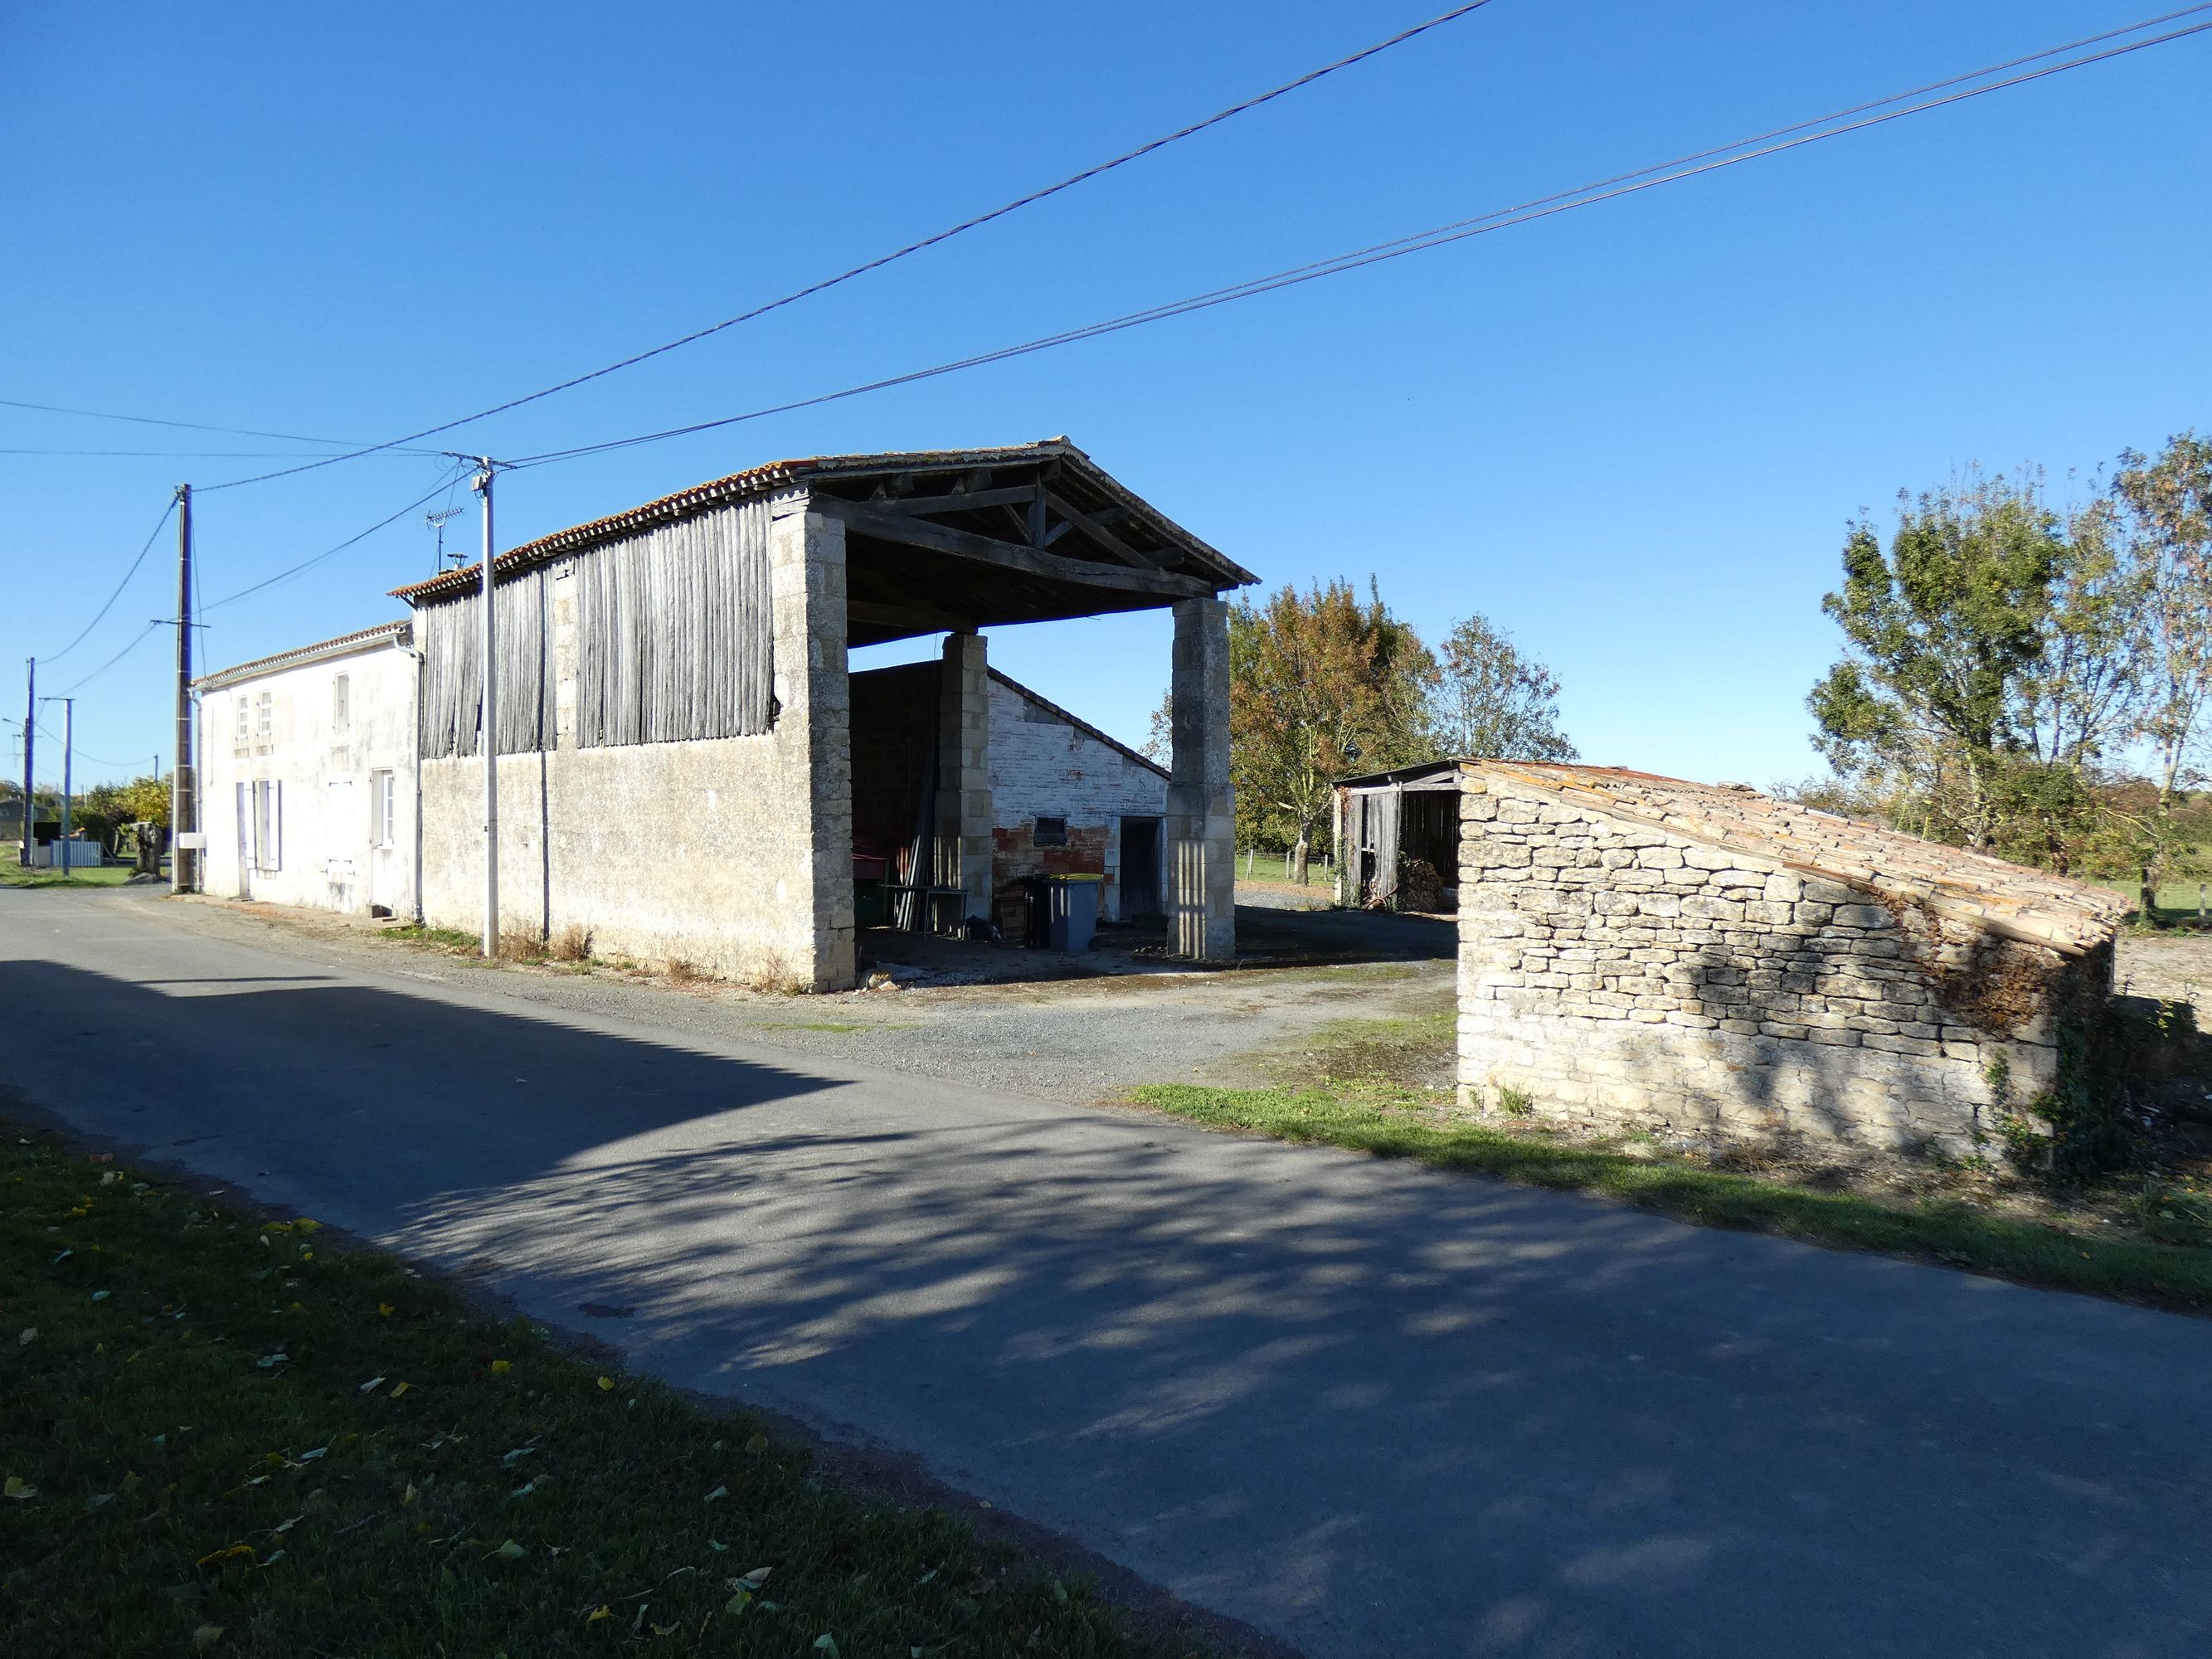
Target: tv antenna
437	522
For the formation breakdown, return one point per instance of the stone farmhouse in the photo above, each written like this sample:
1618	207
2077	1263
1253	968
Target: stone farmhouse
1640	953
688	769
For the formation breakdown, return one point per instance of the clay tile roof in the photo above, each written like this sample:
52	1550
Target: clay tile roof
2002	898
772	476
345	645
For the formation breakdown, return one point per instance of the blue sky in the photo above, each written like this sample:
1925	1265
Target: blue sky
1632	435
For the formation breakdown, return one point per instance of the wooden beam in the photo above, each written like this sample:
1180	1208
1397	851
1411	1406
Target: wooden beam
891	527
922	618
1099	533
960	500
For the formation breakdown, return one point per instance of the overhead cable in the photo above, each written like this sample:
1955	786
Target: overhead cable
188	426
136	639
1590	195
897	254
443	484
119	587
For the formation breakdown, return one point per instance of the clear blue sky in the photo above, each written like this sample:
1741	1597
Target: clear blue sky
1632	435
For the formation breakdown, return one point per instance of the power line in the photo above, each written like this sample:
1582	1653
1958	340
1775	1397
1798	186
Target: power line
188	426
1459	230
442	484
137	640
97	760
190	454
892	258
120	585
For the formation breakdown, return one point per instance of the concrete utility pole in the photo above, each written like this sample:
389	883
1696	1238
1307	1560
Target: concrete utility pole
488	738
30	744
68	749
184	789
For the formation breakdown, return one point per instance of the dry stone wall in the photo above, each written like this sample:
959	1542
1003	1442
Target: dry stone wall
1615	975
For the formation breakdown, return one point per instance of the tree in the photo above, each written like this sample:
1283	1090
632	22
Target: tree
1493	702
2168	507
109	808
1945	638
1320	685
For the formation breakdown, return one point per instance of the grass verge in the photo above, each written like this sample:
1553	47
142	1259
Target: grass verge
1375	1120
223	1435
13	875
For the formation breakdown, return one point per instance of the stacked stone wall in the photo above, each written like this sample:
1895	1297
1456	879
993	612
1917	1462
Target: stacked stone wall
1614	976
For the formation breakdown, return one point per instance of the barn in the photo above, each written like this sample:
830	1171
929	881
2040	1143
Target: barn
685	760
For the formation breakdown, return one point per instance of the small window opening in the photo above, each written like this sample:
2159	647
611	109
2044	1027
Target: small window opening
342	704
1050	832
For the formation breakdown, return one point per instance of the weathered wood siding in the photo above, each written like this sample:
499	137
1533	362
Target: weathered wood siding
449	634
674	632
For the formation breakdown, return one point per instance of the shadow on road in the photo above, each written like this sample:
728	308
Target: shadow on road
1369	1407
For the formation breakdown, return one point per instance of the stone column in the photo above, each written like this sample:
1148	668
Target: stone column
1201	828
814	738
964	772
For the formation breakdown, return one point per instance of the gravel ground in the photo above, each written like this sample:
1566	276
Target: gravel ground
1077	1041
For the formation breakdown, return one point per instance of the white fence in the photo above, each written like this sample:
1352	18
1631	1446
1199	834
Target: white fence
66	855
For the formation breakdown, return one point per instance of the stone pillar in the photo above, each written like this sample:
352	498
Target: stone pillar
1201	828
814	738
963	773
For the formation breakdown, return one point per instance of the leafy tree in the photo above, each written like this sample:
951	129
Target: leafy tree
1491	701
1945	649
108	808
2168	505
1320	685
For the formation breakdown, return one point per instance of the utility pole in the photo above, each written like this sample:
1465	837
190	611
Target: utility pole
184	790
68	749
30	744
488	739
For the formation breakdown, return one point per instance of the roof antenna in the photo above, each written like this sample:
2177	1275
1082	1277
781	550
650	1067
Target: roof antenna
437	522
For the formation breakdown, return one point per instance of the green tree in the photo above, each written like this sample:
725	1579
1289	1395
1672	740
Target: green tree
1320	685
1493	702
1944	637
2167	502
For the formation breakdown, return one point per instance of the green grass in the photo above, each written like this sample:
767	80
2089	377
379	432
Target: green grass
1390	1124
444	938
223	1435
12	874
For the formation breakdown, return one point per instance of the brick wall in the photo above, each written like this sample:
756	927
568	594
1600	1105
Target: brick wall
1041	766
1617	976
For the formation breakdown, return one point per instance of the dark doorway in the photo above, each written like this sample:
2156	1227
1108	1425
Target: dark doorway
1140	868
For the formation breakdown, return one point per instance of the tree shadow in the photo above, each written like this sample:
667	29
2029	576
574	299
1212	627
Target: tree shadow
1370	1406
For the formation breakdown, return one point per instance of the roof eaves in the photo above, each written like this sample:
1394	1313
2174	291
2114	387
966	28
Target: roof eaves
345	645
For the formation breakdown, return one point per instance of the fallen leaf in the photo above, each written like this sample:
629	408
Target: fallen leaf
398	1388
30	1335
525	1490
519	1451
753	1580
718	1492
716	1545
607	1384
287	1526
598	1614
409	1496
216	1558
19	1489
269	1361
757	1444
384	1308
99	1296
207	1636
371	1386
275	1556
501	1367
304	1226
310	1457
63	1257
736	1604
510	1551
827	1644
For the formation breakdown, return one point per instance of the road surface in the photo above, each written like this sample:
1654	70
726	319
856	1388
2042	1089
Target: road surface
1368	1408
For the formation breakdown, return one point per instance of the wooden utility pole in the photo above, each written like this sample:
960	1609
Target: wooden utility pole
487	735
184	792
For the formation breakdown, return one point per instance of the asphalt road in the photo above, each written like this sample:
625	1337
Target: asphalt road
1368	1408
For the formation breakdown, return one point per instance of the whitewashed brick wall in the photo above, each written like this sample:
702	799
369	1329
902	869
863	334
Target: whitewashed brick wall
1044	767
